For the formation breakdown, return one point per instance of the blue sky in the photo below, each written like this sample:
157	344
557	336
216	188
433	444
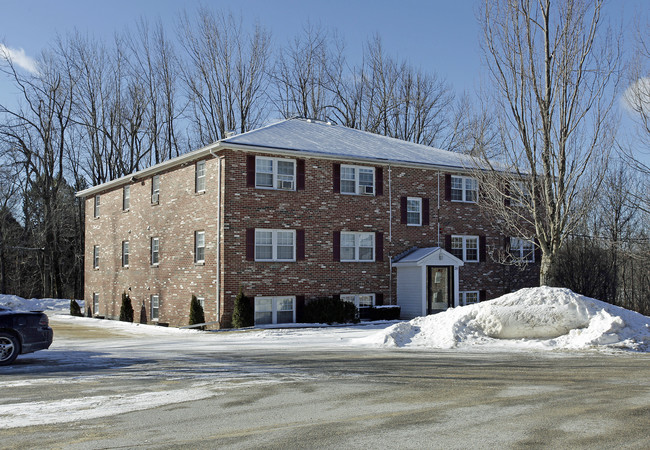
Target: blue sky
435	35
439	36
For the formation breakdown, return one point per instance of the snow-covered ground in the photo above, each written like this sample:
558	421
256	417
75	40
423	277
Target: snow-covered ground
531	319
147	362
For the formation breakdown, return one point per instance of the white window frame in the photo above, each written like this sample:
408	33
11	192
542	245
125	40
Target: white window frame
464	189
355	298
154	307
155	251
522	196
125	253
155	190
359	188
201	301
96	205
96	257
462	297
199	177
357	245
414	201
275	244
126	198
274	307
95	303
199	244
519	251
464	240
279	182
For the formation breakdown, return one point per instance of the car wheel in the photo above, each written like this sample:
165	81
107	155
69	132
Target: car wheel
9	348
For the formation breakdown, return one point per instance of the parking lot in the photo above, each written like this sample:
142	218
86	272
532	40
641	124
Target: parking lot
84	394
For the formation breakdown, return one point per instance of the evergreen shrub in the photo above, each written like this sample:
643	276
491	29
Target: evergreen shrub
243	315
196	312
126	311
75	309
385	313
330	310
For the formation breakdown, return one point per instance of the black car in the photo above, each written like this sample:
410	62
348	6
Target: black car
22	332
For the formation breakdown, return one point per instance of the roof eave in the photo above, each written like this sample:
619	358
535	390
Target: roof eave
337	157
160	167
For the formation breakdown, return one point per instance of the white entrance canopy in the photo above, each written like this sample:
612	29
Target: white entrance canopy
412	280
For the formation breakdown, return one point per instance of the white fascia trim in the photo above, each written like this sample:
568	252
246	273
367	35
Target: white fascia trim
224	145
186	158
343	158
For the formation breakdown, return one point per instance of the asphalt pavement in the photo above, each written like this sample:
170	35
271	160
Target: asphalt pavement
341	399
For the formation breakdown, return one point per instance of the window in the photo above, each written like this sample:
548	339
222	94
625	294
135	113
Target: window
357	246
96	209
269	310
155	189
360	300
413	211
357	180
125	253
275	173
96	257
155	251
95	303
155	307
199	247
201	301
465	248
126	198
199	178
464	189
468	297
522	250
522	195
275	245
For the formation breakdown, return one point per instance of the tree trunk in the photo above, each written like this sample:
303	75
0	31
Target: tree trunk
545	269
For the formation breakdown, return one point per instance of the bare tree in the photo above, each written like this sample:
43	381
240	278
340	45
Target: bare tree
37	133
154	68
302	75
226	74
554	70
9	228
420	113
637	98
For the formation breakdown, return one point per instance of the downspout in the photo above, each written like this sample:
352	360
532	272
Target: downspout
438	213
218	262
390	236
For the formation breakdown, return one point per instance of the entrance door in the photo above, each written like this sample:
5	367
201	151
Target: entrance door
439	288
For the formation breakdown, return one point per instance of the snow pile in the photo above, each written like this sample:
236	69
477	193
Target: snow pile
55	305
544	318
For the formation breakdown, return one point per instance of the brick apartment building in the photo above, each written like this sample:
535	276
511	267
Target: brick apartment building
293	211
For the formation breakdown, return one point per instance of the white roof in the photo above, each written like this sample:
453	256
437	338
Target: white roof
417	257
324	138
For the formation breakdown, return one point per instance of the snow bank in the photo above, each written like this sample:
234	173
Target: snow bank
531	319
550	318
54	305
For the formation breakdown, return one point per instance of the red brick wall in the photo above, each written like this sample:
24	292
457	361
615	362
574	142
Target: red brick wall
317	209
178	215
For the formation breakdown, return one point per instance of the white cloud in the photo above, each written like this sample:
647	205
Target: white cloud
637	96
19	58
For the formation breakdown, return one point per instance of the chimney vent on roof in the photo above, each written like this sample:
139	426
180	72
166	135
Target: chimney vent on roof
230	133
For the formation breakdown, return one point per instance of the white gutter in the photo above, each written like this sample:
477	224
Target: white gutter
136	176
